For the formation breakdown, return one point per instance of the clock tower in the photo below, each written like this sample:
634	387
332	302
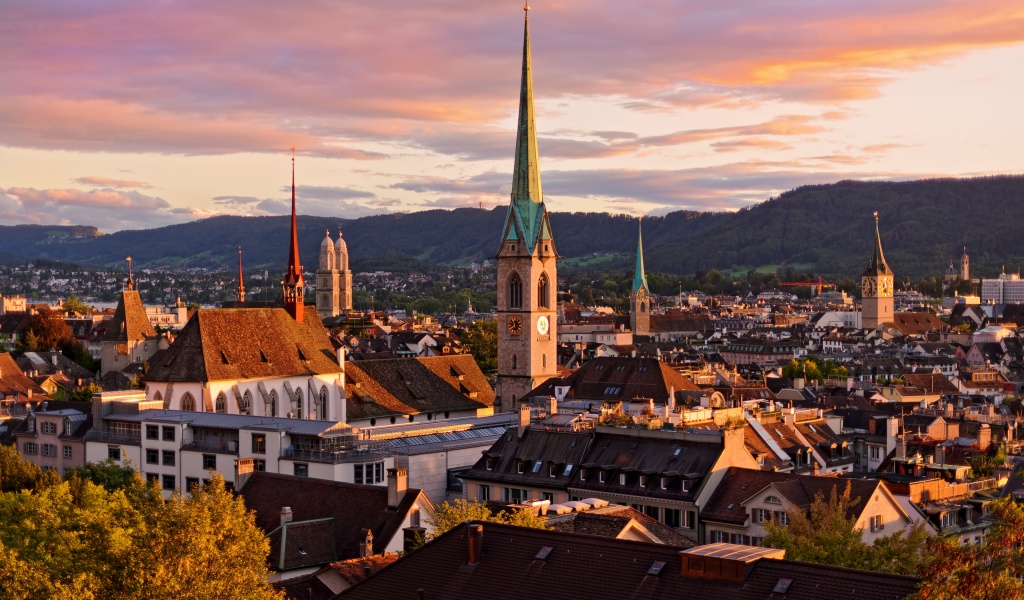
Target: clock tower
527	275
876	286
640	298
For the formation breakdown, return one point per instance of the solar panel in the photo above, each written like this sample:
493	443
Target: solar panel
656	567
782	586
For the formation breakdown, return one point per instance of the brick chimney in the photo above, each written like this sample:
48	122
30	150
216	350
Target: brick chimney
398	483
476	543
524	418
286	514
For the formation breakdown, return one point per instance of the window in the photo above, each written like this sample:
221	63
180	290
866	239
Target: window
772	500
719	537
30	448
643	481
301	470
515	495
673	517
210	461
188	402
414	517
48	428
152	478
152	456
520	467
259	465
875	453
245	404
114	452
653	512
221	405
67	451
168	458
548	496
485	493
378	470
259	443
489	464
514	361
622	479
271	407
168	433
358	473
49	450
515	291
781	518
536	466
152	432
876	523
552	471
68	427
643	307
298	404
321	404
542	291
761	515
169	482
664	483
601	476
191	483
949	519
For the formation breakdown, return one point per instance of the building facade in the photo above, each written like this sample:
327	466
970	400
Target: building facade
877	303
333	279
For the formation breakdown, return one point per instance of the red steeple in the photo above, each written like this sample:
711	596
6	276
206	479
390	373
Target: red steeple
241	280
293	286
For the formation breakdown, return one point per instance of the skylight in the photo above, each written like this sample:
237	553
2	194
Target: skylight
536	466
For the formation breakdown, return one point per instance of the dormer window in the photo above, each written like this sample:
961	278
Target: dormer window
552	471
602	476
664	483
686	485
643	481
520	468
489	464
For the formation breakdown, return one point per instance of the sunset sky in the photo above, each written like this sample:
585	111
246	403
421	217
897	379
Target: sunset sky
127	114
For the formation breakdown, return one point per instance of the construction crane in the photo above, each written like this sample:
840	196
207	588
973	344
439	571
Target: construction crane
820	284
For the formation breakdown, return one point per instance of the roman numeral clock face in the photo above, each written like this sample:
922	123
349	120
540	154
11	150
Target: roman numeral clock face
515	325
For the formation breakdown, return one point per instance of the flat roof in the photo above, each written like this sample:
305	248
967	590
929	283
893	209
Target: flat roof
227	421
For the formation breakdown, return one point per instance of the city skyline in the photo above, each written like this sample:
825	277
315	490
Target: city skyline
130	116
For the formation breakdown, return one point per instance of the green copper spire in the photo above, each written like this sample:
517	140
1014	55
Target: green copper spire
526	219
877	266
639	275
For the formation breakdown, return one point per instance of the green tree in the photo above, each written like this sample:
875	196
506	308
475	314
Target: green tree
828	534
17	474
481	338
84	393
108	474
994	570
448	516
73	305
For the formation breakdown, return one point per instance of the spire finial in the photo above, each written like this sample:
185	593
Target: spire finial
526	9
876	217
294	282
131	276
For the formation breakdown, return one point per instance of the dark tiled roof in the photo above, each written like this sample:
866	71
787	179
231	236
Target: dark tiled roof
918	323
621	378
610	522
932	383
401	386
246	343
557	449
591	567
354	570
353	507
306	587
130	322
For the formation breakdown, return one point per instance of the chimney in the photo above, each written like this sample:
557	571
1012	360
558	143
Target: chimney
53	359
476	543
552	406
365	543
243	471
398	480
984	436
524	418
672	399
814	467
286	514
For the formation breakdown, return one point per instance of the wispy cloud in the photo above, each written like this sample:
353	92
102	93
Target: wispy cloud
108	182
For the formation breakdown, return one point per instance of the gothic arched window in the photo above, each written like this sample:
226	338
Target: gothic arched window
298	404
245	404
158	396
542	291
643	307
222	403
188	402
321	404
271	408
515	291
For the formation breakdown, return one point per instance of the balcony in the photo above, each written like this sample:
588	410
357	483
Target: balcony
213	446
121	439
361	453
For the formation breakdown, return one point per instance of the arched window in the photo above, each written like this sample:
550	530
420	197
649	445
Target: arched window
643	307
188	402
271	408
321	404
542	291
298	404
158	396
544	361
514	361
222	403
245	404
772	500
515	291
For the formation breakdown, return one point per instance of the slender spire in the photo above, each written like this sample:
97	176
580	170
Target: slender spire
877	265
131	276
241	279
293	286
639	275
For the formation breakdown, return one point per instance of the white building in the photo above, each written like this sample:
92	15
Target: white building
1007	289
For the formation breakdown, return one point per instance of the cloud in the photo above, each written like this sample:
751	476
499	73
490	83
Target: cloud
316	192
107	209
107	182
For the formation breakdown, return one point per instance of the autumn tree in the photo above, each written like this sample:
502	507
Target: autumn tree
828	534
449	516
49	331
990	571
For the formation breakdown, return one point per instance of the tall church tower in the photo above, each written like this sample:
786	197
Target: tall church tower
527	276
640	297
965	266
876	285
327	280
293	287
344	282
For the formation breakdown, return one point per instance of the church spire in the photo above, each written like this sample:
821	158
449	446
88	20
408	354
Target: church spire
294	284
639	275
877	265
241	279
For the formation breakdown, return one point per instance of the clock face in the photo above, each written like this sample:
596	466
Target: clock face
867	286
542	325
885	287
515	325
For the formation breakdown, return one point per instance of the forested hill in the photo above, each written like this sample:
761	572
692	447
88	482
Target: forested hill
826	229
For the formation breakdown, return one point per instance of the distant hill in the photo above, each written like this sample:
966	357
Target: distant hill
826	229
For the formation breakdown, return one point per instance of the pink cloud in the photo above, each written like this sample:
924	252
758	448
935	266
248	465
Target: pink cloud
111	183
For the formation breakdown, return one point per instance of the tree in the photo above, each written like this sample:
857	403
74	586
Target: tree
828	534
73	305
448	516
48	331
993	570
84	393
481	338
108	474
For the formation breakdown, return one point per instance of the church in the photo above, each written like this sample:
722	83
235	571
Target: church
527	266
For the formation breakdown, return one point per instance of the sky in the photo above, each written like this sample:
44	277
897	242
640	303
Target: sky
123	114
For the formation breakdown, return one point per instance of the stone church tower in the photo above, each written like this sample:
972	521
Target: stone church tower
293	288
333	279
527	275
965	266
876	288
640	297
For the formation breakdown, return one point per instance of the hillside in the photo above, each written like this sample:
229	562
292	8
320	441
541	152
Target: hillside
822	228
